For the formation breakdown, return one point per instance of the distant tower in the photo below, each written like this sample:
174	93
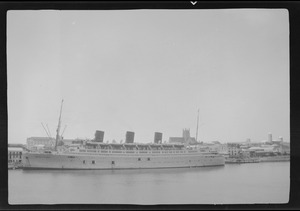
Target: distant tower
248	140
270	137
157	137
186	134
280	139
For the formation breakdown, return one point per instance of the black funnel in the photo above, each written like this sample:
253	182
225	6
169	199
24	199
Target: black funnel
129	137
99	135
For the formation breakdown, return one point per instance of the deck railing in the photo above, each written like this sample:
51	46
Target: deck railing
116	151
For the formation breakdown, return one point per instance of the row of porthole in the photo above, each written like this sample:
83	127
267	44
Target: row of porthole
113	162
93	162
139	159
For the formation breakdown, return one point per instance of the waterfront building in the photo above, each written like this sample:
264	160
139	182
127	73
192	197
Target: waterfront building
71	142
279	142
283	149
218	147
254	149
67	142
38	142
234	149
14	155
246	153
267	150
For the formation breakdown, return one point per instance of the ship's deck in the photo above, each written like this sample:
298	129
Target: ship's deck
132	148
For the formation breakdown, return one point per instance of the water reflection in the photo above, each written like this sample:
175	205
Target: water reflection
247	183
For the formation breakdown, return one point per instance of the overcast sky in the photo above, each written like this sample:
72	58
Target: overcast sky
148	71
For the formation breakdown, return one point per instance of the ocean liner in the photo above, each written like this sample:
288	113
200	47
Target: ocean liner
95	154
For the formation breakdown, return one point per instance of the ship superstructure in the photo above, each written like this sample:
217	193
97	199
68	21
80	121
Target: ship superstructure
122	156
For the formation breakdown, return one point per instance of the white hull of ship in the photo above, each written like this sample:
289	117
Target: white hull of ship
112	161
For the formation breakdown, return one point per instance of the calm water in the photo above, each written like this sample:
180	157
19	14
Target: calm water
232	183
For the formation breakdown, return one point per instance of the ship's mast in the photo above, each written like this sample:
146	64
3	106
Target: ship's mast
58	127
197	127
